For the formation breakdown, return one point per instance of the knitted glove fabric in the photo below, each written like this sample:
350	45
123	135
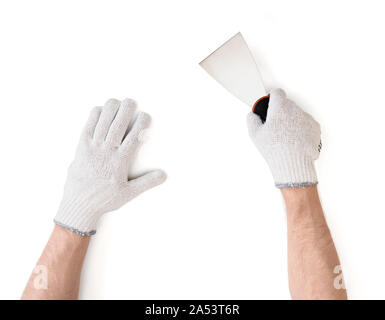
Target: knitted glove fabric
97	180
289	141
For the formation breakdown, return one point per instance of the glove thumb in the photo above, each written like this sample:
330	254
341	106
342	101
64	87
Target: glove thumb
143	183
254	122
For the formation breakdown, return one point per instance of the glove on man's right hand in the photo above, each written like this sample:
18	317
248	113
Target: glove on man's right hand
289	141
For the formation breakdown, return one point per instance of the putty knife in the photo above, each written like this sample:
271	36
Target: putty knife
234	67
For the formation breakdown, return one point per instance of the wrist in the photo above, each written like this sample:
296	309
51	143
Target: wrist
299	195
67	239
63	244
303	206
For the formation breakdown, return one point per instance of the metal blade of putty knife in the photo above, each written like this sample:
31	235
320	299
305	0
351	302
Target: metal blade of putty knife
234	67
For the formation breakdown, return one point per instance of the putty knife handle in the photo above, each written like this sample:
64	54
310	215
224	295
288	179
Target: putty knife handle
260	107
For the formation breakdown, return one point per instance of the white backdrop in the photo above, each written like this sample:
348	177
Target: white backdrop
216	228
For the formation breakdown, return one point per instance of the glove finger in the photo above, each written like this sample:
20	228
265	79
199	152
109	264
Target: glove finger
121	122
107	116
143	183
89	129
277	98
132	141
254	122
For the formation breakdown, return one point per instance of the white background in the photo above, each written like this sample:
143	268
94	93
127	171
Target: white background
216	229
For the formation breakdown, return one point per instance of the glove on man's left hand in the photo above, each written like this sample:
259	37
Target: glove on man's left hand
97	179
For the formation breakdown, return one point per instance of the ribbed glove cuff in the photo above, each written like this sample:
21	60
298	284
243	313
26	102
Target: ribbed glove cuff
292	171
77	217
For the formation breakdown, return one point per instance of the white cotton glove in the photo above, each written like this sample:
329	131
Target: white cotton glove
97	179
289	140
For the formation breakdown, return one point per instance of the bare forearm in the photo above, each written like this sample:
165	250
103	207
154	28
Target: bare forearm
58	270
312	256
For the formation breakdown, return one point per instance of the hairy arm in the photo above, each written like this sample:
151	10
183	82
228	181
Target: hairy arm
312	256
57	274
290	142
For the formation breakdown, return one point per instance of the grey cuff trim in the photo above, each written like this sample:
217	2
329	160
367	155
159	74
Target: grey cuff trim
295	185
80	233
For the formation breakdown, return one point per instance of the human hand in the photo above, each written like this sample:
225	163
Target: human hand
289	141
97	179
